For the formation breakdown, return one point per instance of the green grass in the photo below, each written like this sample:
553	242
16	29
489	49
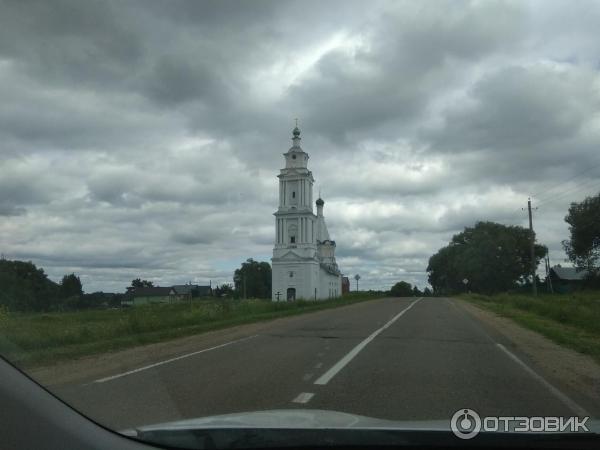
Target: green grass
31	340
572	320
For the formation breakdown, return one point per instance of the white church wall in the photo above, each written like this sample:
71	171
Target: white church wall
302	279
330	286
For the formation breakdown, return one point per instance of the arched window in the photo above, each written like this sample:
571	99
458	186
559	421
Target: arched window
294	194
292	232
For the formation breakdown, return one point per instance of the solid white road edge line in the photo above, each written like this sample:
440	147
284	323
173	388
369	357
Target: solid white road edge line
167	361
324	379
304	397
558	394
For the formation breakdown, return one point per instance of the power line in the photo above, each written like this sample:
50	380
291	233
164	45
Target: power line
554	190
577	175
588	184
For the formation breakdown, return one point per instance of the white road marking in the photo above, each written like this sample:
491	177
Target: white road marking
318	365
304	397
167	361
324	379
307	377
558	394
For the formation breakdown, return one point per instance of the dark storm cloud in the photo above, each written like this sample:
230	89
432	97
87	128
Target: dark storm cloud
70	42
413	53
144	138
176	80
517	108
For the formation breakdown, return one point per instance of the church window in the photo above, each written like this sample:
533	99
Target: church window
293	195
293	239
291	274
293	156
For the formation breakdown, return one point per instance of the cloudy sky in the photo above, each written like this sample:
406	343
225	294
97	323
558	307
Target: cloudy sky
143	139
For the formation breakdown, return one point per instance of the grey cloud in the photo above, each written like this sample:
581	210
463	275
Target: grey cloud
175	80
70	41
150	133
408	60
517	108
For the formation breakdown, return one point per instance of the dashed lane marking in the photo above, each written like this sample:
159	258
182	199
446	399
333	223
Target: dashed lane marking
324	379
304	397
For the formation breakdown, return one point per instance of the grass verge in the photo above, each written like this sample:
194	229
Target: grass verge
31	340
571	320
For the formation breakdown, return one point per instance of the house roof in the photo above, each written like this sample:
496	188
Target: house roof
185	289
154	291
569	273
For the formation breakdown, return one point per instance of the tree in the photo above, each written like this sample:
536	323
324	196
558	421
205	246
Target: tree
137	283
24	287
416	292
427	292
583	248
401	289
487	258
70	286
253	279
225	290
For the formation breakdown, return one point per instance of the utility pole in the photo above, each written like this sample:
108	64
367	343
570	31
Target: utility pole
548	279
244	277
532	250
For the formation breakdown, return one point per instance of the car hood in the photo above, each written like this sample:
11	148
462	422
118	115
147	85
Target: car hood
304	419
314	428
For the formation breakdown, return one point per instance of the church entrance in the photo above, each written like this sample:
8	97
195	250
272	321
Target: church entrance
291	294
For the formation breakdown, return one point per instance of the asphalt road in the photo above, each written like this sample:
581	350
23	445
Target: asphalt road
401	359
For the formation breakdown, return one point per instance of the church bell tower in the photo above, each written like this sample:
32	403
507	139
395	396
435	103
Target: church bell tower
295	260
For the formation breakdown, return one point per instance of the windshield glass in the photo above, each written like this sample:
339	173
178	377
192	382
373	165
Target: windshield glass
303	214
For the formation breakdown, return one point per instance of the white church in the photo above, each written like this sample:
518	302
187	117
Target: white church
304	265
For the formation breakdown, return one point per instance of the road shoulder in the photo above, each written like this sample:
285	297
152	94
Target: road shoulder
579	373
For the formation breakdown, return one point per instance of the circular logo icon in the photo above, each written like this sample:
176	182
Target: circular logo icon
465	423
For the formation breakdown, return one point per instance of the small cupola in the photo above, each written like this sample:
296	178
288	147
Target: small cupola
320	203
295	156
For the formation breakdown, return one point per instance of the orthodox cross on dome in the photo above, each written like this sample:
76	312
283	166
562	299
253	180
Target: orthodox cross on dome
296	135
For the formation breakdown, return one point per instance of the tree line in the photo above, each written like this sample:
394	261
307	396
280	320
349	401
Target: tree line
490	257
25	287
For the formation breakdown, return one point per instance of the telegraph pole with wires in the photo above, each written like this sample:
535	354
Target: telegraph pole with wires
548	279
532	250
